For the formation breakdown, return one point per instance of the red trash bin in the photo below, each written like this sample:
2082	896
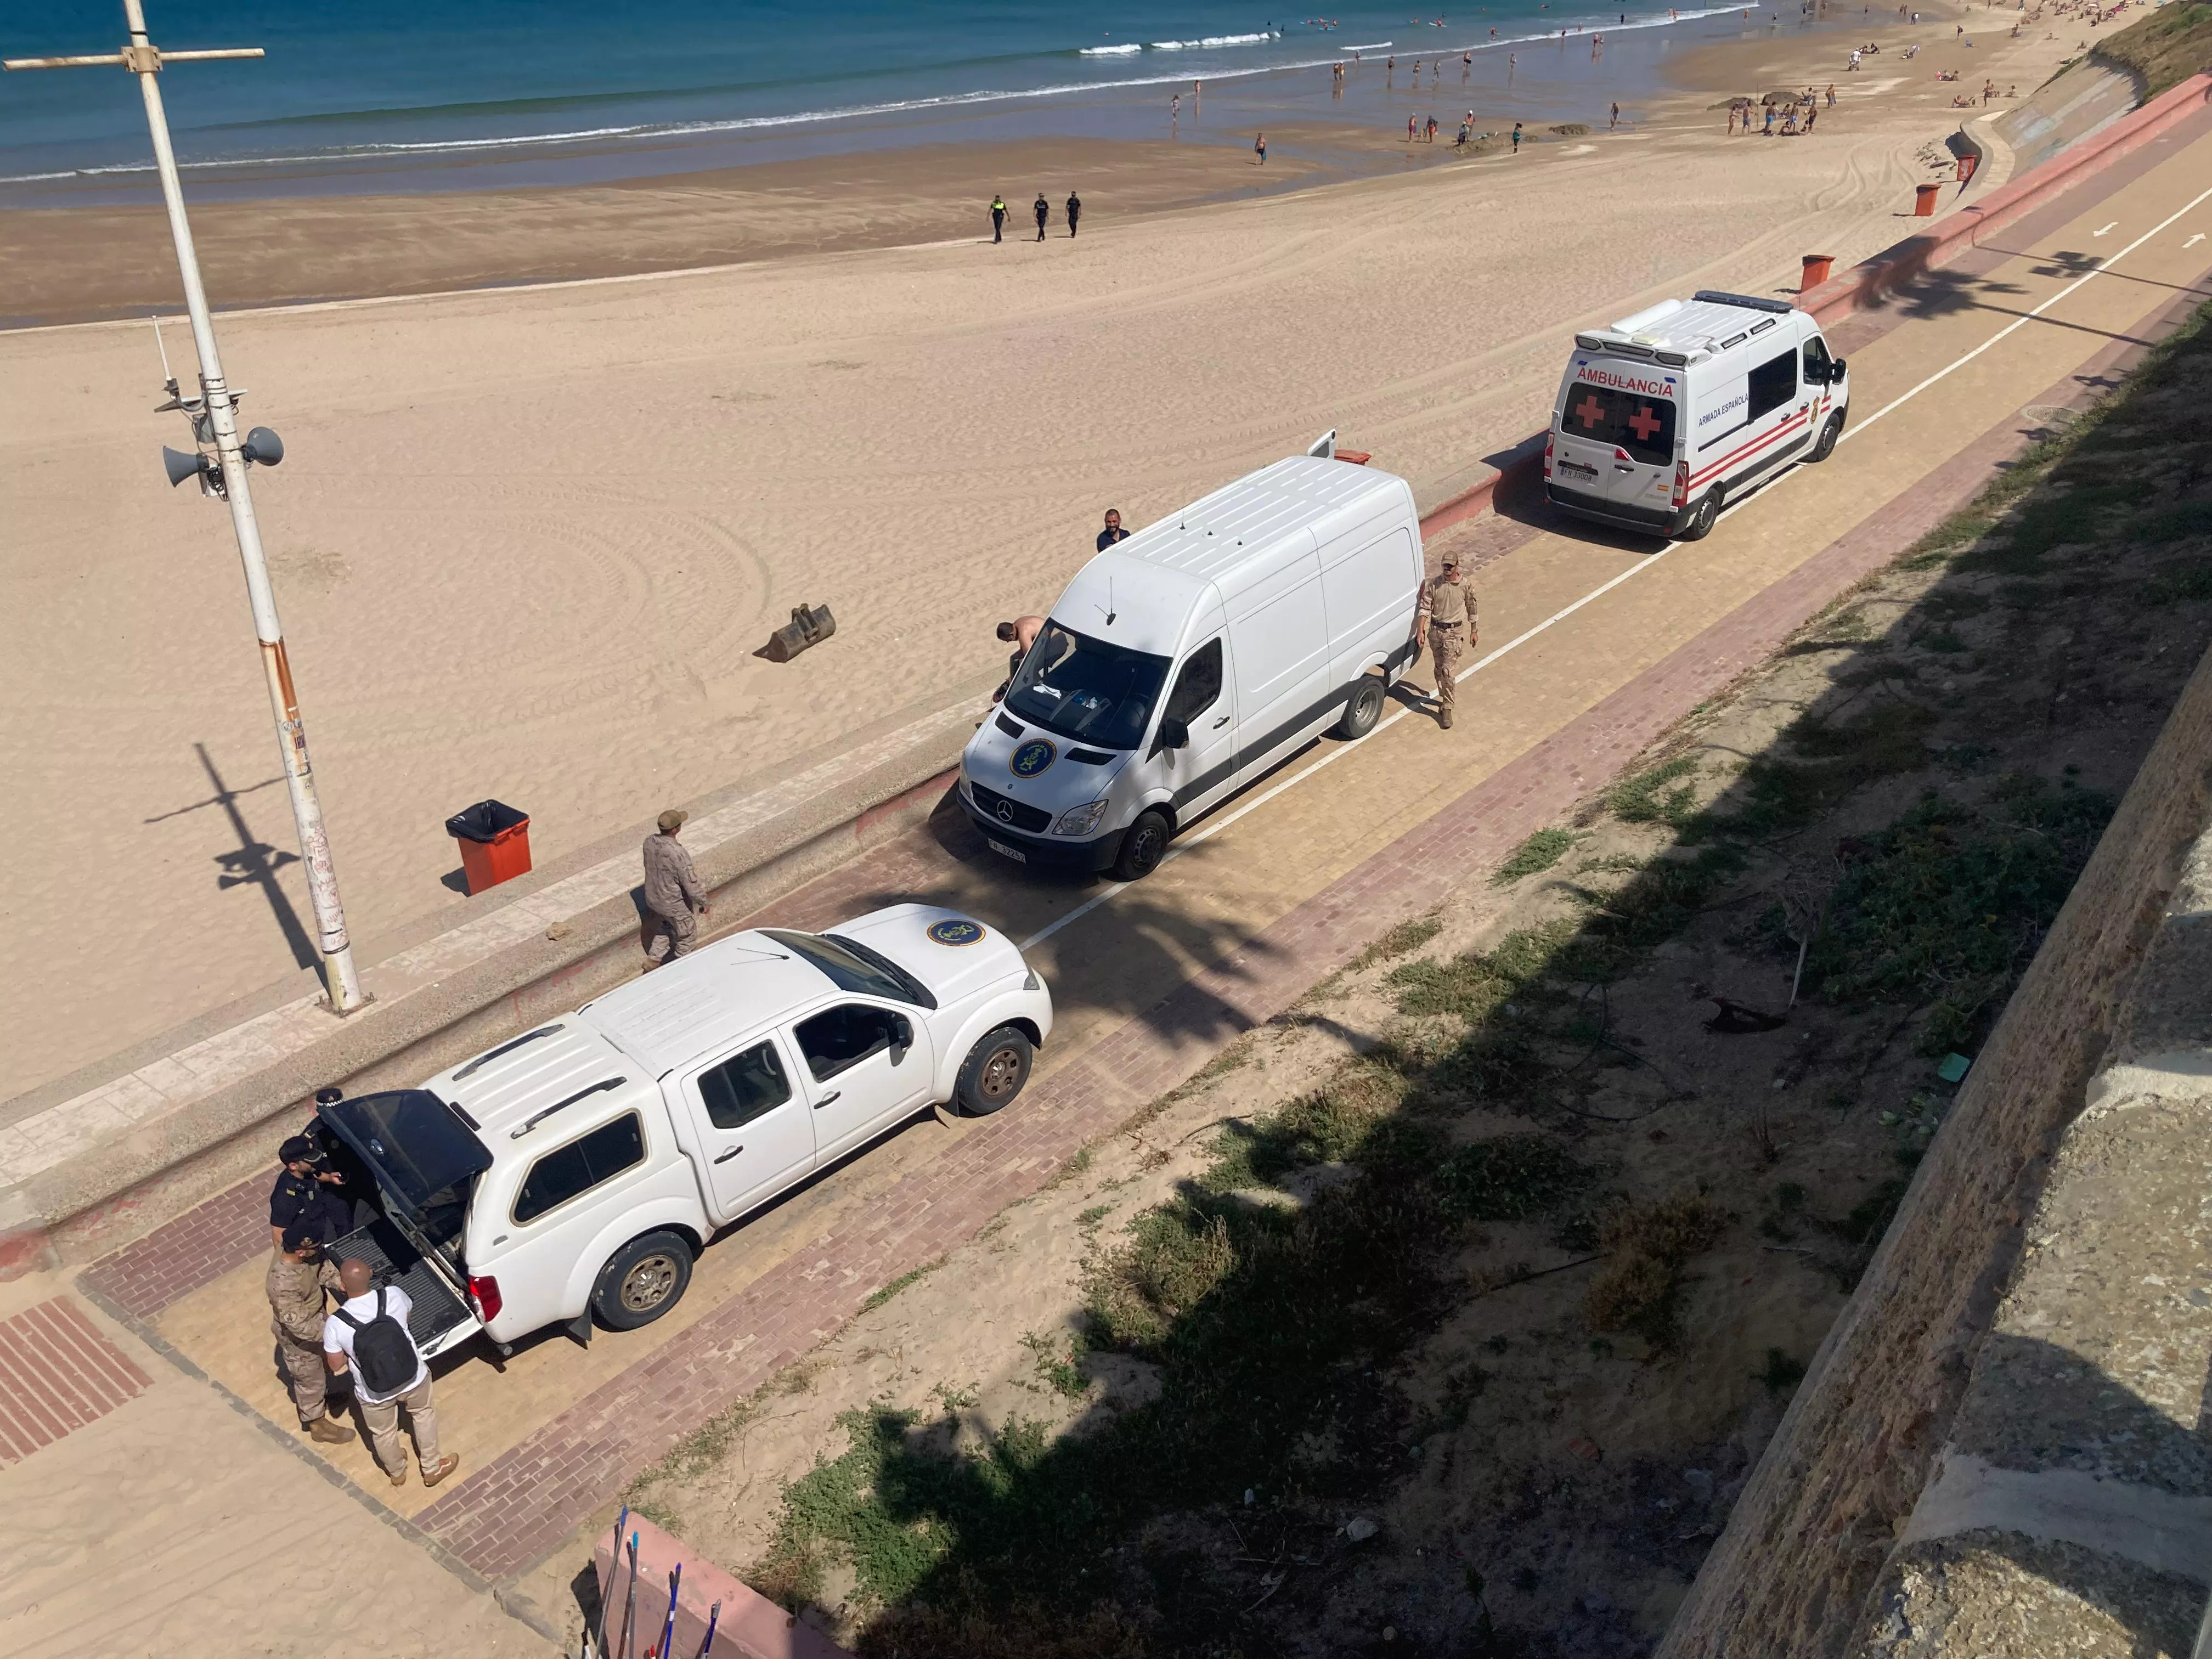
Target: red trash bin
1968	163
1924	203
1816	268
495	840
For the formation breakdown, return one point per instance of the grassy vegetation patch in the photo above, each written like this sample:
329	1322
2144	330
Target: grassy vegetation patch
1534	856
1947	904
1649	1248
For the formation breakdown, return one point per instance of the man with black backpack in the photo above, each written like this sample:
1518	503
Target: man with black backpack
368	1336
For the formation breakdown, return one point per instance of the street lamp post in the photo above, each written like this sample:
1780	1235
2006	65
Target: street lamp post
215	422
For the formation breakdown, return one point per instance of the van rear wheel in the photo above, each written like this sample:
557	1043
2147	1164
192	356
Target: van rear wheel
1144	844
1363	711
641	1282
1708	514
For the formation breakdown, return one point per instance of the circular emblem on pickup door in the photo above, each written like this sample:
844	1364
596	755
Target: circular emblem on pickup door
955	933
1032	757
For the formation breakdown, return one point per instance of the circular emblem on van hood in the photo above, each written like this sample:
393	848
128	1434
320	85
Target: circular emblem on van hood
1031	758
955	933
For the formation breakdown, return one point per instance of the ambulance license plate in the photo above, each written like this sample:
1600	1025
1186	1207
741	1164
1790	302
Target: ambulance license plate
1001	848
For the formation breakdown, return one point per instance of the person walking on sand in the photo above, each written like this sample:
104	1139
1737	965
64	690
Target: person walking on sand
298	1276
1260	148
1613	120
1044	210
1074	212
671	892
368	1336
998	218
1175	107
1445	621
1516	138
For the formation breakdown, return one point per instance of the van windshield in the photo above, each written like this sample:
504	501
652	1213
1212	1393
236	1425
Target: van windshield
1086	688
1642	425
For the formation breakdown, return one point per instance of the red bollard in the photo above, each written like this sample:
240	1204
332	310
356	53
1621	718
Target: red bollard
1924	203
1817	266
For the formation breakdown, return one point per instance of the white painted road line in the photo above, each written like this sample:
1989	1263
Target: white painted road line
2114	225
1338	753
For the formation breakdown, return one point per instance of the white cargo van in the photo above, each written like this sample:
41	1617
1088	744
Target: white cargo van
1664	416
577	1169
1184	661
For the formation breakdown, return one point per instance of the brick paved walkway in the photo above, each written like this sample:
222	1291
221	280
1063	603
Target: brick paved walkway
57	1373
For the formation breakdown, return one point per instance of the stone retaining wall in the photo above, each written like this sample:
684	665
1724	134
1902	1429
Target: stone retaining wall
2027	1326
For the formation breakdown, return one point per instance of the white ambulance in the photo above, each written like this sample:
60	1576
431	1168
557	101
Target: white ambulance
1666	415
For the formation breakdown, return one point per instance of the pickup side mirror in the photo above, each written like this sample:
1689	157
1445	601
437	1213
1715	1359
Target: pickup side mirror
1174	733
901	1031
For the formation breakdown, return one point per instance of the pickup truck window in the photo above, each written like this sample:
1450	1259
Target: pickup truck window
744	1087
851	966
839	1038
583	1164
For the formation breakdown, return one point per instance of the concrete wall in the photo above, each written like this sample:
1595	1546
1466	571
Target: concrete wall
748	1626
1952	1339
2080	101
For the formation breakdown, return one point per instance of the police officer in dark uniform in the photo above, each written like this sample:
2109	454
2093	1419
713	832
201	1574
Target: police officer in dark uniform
308	1193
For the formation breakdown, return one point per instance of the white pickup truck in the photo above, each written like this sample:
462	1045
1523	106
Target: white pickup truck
577	1169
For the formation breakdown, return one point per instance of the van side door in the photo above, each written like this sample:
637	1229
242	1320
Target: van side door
1278	652
865	1065
1203	698
1775	414
1370	586
754	1131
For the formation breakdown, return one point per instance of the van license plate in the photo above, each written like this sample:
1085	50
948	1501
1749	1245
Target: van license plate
1005	851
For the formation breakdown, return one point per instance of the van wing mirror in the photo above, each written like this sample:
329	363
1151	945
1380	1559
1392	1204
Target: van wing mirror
1835	370
1174	733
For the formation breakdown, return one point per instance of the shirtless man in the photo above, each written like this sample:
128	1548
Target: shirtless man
1021	633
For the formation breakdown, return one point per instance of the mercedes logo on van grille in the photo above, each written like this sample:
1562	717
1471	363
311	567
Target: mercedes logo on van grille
1005	811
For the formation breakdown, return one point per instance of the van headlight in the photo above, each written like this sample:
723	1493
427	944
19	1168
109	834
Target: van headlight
1080	820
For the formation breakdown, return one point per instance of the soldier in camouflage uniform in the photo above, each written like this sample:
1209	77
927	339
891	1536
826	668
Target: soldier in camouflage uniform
298	1276
1445	621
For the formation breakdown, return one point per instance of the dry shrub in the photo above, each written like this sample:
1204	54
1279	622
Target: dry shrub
1640	1289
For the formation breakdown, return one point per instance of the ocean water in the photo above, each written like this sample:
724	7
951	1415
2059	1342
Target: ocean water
382	94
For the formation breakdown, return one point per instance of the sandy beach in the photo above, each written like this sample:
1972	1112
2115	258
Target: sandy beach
526	540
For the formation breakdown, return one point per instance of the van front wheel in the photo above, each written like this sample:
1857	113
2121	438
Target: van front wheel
994	1072
641	1282
1143	846
1363	711
1708	514
1829	435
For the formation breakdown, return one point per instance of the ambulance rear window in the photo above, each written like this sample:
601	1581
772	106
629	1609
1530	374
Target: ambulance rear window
1642	426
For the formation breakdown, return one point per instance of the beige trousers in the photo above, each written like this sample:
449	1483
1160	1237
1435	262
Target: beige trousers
309	1378
681	931
1446	646
383	1424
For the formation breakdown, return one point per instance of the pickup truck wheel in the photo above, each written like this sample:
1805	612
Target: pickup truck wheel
994	1072
1144	844
641	1282
1363	711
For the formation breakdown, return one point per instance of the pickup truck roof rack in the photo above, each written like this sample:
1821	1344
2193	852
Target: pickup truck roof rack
490	1056
1715	296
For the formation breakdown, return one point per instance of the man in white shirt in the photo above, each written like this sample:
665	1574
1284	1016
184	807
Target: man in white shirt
359	1338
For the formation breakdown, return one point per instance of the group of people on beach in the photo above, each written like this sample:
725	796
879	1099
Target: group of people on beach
1795	116
1042	208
